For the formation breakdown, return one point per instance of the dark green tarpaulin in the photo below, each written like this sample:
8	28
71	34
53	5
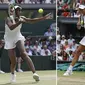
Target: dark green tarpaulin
77	67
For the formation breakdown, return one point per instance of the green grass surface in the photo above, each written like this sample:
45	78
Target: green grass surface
25	78
78	78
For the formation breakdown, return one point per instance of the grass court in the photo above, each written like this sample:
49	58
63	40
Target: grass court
25	78
78	78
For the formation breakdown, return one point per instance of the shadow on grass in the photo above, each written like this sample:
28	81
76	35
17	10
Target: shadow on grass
27	83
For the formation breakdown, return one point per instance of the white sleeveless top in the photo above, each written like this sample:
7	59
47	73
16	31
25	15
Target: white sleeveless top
12	36
12	33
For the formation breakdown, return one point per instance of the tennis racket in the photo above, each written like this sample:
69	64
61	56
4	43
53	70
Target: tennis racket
11	10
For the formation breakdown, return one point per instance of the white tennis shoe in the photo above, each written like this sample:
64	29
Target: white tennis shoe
2	71
68	73
13	78
36	77
19	70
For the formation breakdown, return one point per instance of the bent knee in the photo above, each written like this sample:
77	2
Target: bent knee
78	52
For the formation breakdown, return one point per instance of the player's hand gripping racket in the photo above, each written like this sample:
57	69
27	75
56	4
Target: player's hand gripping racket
49	16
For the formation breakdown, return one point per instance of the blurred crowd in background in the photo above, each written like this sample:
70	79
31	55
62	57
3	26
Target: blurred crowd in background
69	4
66	47
40	46
70	13
29	1
51	30
69	7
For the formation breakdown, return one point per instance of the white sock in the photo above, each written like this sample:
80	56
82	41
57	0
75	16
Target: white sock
70	67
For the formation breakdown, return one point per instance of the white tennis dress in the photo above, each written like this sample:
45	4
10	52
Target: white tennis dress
82	42
12	36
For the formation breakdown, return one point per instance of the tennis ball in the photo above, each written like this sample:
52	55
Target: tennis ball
40	10
81	22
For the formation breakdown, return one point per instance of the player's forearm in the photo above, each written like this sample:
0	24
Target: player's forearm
79	20
15	25
34	20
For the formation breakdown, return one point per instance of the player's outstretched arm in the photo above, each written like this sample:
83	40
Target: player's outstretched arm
29	20
79	24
